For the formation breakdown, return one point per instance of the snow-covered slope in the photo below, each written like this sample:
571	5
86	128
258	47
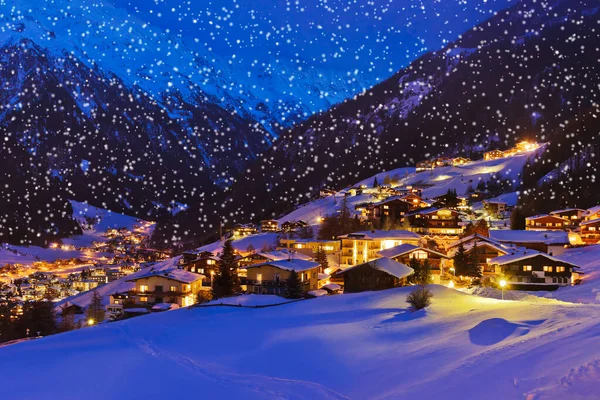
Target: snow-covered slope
364	346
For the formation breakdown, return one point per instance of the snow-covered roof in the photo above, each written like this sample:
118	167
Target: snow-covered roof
534	217
179	275
546	237
323	276
289	265
386	265
318	293
283	254
479	238
498	247
164	306
332	287
378	234
565	210
593	210
524	255
406	248
592	221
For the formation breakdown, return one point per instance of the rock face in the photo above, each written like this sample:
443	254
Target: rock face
530	72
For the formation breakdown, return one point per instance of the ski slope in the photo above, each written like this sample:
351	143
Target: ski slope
360	346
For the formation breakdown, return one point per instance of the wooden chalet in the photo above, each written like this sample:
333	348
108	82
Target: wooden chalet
241	230
436	221
458	161
289	226
493	155
424	166
495	206
205	263
545	223
379	274
405	252
551	242
270	277
269	225
590	231
573	215
531	270
361	247
592	213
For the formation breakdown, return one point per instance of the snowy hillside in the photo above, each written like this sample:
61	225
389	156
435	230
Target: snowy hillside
362	346
434	183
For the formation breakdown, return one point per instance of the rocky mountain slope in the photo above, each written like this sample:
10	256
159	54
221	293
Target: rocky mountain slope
530	72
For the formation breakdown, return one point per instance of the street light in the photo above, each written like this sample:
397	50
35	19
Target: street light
502	284
453	271
90	321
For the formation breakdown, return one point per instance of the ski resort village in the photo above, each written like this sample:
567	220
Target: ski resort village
441	249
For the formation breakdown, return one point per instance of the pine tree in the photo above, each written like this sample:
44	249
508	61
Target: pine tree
345	217
482	228
517	219
226	282
461	261
375	183
416	266
293	289
95	311
321	258
473	269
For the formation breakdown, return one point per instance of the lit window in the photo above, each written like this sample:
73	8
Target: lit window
173	288
527	268
210	262
143	288
421	255
143	299
259	277
560	269
547	268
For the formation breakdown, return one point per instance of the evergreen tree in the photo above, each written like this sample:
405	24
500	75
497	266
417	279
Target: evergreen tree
375	183
321	258
38	319
473	269
345	217
95	310
387	180
424	276
306	232
416	266
517	219
67	322
226	282
293	286
461	261
482	228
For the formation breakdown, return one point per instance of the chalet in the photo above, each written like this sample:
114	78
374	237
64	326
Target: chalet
551	242
392	209
590	231
309	247
361	247
167	286
326	192
85	285
289	226
592	213
415	201
403	254
240	230
531	270
495	207
458	161
205	263
573	215
479	196
493	155
269	225
263	257
485	251
424	166
442	162
70	309
525	146
545	222
436	221
270	277
379	274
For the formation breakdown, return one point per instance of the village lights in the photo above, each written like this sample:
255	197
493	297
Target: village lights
502	285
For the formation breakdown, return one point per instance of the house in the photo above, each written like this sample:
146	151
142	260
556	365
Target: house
403	254
485	251
530	270
270	277
458	161
309	247
590	231
361	247
442	162
326	192
424	166
415	201
240	230
84	285
289	226
493	155
478	195
205	263
592	213
495	207
545	222
70	309
551	242
573	215
263	257
436	221
391	208
176	286
379	274
269	225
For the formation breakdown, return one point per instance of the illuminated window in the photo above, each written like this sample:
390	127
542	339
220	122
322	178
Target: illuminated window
143	288
527	268
421	255
386	207
259	277
210	262
143	299
173	288
547	268
328	248
560	269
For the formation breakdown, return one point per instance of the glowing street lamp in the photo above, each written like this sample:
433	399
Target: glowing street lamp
453	271
502	285
91	321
